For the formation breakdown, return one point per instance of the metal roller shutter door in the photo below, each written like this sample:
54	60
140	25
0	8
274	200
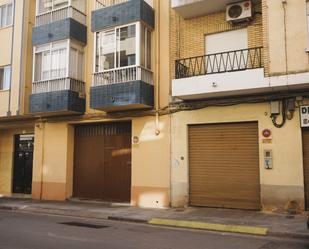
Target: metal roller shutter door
224	165
306	165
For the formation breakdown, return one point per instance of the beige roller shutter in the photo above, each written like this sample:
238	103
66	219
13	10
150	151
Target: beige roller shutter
306	165
224	165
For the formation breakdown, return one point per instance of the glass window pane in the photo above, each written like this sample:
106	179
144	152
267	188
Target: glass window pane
143	46
7	78
60	4
107	50
45	65
62	62
1	78
97	53
3	16
73	63
44	6
148	51
58	63
38	67
127	47
9	19
80	66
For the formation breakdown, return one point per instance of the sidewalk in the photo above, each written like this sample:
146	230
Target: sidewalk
224	220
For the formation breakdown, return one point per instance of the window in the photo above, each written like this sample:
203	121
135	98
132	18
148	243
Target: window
51	61
6	15
44	6
49	5
5	78
216	44
120	47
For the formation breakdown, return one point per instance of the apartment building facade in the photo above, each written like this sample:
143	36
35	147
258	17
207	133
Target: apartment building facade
240	76
92	97
156	103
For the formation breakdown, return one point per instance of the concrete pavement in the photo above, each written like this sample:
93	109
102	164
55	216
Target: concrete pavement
282	225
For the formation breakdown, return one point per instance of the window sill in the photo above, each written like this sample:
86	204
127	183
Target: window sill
4	90
6	27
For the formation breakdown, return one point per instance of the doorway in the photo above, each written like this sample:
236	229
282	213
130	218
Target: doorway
23	163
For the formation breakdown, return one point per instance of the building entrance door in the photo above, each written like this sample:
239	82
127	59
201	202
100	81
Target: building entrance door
23	163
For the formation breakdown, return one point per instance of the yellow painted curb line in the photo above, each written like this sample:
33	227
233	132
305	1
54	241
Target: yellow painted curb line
210	226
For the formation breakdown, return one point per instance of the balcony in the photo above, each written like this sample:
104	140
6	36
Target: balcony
110	13
59	20
57	97
195	8
60	14
122	89
221	74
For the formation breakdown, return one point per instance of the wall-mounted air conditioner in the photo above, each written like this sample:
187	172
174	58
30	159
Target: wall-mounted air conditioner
239	12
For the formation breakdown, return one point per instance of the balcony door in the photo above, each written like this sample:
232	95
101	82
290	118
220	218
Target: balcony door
225	50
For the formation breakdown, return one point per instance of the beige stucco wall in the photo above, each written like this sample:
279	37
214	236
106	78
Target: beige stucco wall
151	162
4	102
54	154
296	36
52	164
6	41
280	185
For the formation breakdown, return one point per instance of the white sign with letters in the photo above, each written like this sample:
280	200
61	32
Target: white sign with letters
304	116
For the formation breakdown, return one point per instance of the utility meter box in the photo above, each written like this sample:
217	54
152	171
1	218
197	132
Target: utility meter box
268	159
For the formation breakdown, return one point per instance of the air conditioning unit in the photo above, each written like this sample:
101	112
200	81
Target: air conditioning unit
239	12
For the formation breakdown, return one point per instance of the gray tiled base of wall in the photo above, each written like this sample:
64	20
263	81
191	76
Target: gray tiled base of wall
58	101
135	93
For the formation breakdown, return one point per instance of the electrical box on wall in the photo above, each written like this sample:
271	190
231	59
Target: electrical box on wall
268	159
275	107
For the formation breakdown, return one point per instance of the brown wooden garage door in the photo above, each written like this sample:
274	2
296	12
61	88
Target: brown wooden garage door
306	165
102	162
224	165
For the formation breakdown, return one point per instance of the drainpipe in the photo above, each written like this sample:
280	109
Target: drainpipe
284	4
157	131
21	72
41	126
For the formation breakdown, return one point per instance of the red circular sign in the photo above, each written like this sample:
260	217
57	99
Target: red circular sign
266	133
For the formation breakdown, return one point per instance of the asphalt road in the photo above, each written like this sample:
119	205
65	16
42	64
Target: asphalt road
32	231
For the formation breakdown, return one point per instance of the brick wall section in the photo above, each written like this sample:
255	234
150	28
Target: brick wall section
266	58
187	36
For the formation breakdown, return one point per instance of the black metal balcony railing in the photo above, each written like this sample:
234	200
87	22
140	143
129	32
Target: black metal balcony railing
230	61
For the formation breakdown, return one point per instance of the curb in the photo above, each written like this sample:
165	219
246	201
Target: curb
251	230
